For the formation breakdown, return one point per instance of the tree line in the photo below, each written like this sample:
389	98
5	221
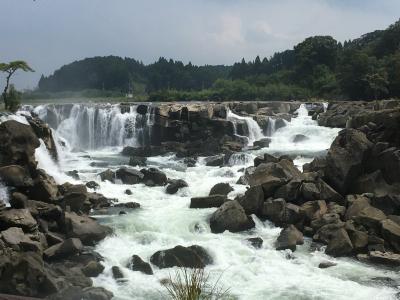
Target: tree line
362	69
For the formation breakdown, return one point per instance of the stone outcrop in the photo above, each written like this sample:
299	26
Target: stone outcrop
179	256
43	231
230	216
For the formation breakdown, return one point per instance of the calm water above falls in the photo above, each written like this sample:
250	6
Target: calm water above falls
164	221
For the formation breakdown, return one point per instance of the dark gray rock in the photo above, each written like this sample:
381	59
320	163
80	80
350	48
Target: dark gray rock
153	176
255	242
93	269
208	201
253	200
137	264
222	188
179	256
129	176
107	175
64	249
289	238
174	185
230	216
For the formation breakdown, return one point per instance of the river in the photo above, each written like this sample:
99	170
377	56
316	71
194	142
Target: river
164	221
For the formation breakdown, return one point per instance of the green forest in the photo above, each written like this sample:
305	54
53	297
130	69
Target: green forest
366	68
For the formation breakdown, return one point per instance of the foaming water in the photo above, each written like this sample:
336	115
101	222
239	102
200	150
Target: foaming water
254	131
314	139
4	196
164	221
46	163
89	127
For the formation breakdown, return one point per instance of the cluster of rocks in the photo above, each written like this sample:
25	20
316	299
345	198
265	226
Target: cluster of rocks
354	114
149	177
193	256
46	235
194	129
348	200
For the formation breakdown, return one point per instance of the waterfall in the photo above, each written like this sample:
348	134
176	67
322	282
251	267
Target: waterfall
254	131
271	126
239	159
311	137
4	194
46	162
88	127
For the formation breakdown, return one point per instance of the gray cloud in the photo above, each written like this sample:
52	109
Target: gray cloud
50	33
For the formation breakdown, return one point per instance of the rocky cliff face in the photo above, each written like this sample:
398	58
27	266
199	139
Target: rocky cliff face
45	229
205	128
356	113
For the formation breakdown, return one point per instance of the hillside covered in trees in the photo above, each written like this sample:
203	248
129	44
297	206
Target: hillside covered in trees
365	68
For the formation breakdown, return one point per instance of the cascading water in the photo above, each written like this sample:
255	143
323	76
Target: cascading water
98	126
271	126
4	194
254	131
165	221
302	136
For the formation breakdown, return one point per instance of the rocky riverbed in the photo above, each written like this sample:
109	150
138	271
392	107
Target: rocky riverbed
256	193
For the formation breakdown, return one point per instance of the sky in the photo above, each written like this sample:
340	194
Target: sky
51	33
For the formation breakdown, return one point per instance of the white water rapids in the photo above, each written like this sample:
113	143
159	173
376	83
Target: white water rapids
164	221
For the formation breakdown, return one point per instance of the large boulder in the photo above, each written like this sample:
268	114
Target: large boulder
15	176
44	210
253	200
222	188
16	239
107	175
179	256
314	209
43	132
364	214
274	210
230	216
64	249
82	293
84	228
345	159
273	175
93	268
137	264
340	244
17	144
45	188
289	238
174	185
21	218
208	201
291	191
24	274
215	161
129	176
264	159
153	176
391	233
77	202
383	258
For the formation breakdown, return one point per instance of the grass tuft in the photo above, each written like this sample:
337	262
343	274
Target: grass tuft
194	284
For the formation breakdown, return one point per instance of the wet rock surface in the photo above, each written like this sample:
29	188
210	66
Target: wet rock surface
43	232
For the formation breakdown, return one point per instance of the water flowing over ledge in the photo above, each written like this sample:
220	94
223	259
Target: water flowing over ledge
165	221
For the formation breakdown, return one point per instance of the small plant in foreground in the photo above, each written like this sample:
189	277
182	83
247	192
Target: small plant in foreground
194	284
